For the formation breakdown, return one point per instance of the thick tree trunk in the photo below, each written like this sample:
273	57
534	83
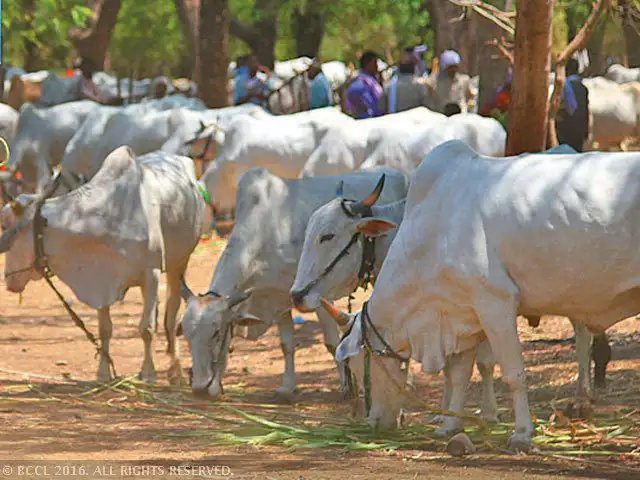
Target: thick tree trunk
631	25
93	42
261	35
214	46
188	14
454	31
308	29
529	105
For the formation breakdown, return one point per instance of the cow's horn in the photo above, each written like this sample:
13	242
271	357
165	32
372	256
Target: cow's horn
339	316
239	297
185	290
360	207
340	189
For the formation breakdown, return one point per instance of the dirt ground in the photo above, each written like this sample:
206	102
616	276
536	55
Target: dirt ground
39	345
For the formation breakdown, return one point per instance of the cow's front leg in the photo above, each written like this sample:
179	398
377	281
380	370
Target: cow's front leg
498	319
458	369
446	399
147	323
105	327
285	328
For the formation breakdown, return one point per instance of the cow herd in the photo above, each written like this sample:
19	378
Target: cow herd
457	239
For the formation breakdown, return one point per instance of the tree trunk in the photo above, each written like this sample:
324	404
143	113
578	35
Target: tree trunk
261	35
308	29
214	46
188	14
30	48
93	42
597	55
631	27
454	31
529	105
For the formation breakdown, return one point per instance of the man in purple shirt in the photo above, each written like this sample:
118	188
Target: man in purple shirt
364	93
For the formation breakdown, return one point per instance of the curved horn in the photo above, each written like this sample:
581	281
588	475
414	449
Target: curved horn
239	297
340	189
360	207
339	316
185	290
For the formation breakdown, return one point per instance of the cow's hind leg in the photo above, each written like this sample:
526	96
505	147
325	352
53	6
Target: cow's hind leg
105	327
486	365
458	369
147	322
580	406
170	326
285	327
601	354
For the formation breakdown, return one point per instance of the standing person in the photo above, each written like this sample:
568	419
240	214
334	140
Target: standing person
320	91
364	93
450	86
249	87
405	91
86	89
572	121
418	58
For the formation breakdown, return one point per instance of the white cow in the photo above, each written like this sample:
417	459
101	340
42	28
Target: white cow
261	257
331	229
133	220
344	147
41	138
614	110
102	132
281	143
403	148
621	74
486	239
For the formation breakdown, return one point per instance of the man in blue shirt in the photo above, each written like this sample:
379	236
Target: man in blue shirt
364	93
320	91
248	87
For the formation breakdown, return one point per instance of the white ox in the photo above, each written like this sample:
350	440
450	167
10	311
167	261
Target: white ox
41	138
485	239
94	140
621	74
133	220
614	110
330	230
403	148
261	257
344	147
281	143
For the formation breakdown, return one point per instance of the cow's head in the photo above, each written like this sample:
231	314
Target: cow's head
387	377
208	324
329	231
206	141
16	218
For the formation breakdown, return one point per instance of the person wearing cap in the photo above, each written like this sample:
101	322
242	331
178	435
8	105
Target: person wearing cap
249	87
159	87
363	95
320	91
405	91
450	86
420	69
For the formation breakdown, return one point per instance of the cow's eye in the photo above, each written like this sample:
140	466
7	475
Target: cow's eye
326	237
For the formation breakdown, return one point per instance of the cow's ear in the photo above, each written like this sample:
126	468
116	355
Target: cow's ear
246	320
374	227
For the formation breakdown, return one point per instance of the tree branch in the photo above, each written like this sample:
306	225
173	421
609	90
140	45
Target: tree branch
578	43
491	13
503	49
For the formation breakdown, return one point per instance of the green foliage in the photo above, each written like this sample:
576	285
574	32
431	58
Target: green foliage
147	38
47	27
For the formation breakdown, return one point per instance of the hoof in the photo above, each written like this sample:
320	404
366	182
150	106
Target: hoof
579	408
285	395
519	443
448	431
491	419
438	419
460	445
147	377
175	375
